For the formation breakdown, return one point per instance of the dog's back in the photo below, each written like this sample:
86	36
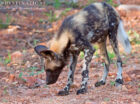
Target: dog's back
92	23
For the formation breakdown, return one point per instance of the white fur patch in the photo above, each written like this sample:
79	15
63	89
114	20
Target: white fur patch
119	73
90	35
105	74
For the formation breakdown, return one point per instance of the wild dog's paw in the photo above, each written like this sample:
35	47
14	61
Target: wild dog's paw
63	92
118	82
99	83
81	91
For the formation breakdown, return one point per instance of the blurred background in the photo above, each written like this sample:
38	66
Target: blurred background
27	23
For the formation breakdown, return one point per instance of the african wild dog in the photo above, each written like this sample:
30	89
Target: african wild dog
92	24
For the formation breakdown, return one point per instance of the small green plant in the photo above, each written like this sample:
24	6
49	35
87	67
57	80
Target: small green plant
22	69
41	20
5	90
71	4
45	86
57	4
35	41
8	59
96	52
90	1
135	38
74	5
39	72
0	59
111	55
51	16
65	11
4	100
32	68
111	3
32	71
139	87
112	83
82	55
21	76
106	99
4	25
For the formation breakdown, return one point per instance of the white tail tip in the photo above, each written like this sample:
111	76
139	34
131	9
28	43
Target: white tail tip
123	38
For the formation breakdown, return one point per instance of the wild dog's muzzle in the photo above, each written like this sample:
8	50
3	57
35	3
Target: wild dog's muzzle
52	76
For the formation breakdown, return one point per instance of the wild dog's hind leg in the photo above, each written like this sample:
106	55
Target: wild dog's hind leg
88	51
114	44
103	51
73	62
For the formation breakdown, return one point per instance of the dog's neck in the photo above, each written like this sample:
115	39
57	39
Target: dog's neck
60	43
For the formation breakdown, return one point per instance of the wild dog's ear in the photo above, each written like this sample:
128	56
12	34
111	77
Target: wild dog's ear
38	49
45	52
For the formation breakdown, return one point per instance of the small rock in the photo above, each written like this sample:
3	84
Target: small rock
3	74
134	103
58	13
124	88
128	7
39	81
12	28
133	75
90	102
28	64
16	57
132	91
43	94
138	76
103	102
126	77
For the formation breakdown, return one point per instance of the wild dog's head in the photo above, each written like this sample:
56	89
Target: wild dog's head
53	63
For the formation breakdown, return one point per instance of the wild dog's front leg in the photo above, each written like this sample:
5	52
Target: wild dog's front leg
87	59
73	63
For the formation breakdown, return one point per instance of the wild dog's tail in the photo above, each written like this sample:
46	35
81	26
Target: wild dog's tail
123	38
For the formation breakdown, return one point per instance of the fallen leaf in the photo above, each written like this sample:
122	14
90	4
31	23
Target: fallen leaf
11	77
112	74
126	77
16	57
30	81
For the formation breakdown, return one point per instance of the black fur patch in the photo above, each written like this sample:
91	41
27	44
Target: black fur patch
97	84
81	91
120	81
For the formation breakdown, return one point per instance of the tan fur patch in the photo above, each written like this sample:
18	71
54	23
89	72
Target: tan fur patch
80	19
58	45
99	6
51	64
